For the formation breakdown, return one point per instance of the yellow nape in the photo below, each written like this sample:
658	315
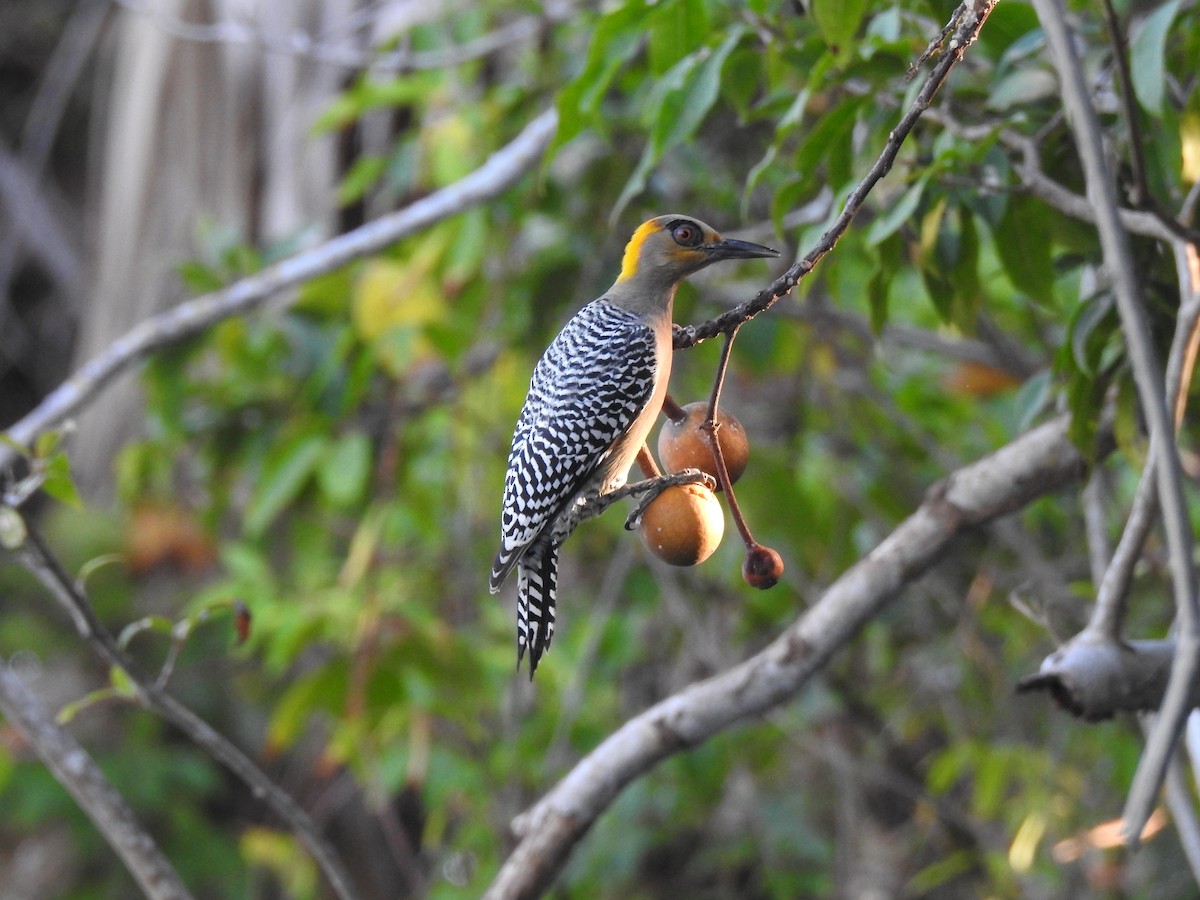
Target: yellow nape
633	250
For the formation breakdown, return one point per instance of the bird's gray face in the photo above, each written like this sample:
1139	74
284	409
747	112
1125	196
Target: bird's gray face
678	246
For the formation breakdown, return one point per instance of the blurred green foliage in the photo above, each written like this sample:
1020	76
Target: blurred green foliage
344	458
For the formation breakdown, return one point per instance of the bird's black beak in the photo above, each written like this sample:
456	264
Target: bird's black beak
729	248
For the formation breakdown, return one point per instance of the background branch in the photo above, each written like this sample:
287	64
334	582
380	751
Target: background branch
76	771
1148	377
42	563
500	171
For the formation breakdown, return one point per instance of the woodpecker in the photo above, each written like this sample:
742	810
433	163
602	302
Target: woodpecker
592	401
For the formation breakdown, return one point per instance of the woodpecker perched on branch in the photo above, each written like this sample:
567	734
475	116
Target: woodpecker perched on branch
592	401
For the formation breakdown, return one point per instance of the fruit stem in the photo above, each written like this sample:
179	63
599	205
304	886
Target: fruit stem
673	410
722	368
645	461
709	429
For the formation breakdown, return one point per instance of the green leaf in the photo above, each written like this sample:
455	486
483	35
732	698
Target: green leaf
122	682
616	38
284	476
344	474
59	484
902	211
1085	397
67	714
666	104
838	21
372	93
675	30
46	443
8	441
682	98
827	133
941	873
1023	243
1127	423
365	172
964	269
689	107
1032	399
199	278
891	258
1022	87
1087	338
939	286
1147	61
743	78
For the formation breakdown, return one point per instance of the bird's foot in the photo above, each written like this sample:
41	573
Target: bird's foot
652	488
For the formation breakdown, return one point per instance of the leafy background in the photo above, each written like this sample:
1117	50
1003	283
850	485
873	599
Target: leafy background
336	466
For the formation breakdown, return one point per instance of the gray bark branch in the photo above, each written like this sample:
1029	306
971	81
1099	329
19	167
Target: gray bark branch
1148	376
495	176
76	771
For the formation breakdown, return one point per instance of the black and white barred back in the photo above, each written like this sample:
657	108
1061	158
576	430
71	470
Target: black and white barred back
586	391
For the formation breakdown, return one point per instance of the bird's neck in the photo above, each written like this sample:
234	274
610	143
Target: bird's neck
645	298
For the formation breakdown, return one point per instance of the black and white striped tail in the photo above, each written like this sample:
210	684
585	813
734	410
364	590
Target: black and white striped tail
537	588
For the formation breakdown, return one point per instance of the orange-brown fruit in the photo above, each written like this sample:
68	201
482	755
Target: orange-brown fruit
682	444
683	525
762	568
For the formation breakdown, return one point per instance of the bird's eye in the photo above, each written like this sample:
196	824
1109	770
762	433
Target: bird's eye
686	234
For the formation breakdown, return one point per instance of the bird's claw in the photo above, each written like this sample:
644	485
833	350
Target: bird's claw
653	488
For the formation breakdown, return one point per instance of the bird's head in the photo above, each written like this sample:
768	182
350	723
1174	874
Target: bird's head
671	247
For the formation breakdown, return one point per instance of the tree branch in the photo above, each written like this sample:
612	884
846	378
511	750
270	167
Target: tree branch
76	771
38	559
491	179
1038	184
1041	461
1109	611
1148	376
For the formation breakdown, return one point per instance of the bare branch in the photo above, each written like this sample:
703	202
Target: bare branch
1037	463
1112	589
491	179
1049	191
1148	377
76	771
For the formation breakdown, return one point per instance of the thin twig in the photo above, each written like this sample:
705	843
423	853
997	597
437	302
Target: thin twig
1137	155
1148	377
491	179
41	562
1109	612
1183	811
75	770
710	429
